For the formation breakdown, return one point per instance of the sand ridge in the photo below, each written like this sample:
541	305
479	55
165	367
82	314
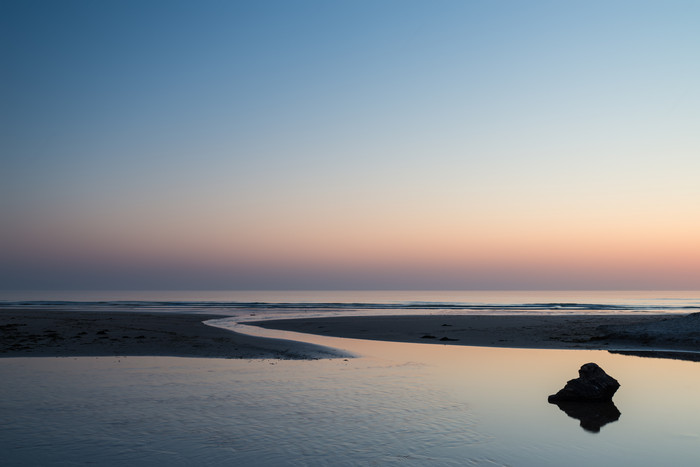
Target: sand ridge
620	332
49	333
44	333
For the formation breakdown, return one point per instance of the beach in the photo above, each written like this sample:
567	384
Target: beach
481	400
646	335
49	333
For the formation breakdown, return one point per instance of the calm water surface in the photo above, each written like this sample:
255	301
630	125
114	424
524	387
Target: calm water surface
405	404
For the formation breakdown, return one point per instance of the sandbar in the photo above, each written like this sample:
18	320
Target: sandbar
662	336
51	333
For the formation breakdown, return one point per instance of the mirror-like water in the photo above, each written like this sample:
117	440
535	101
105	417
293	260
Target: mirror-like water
408	404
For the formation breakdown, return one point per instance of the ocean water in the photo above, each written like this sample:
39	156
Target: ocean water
395	404
326	303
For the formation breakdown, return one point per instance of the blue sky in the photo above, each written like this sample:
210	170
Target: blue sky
399	144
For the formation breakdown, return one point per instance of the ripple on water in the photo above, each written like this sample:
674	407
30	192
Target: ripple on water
214	411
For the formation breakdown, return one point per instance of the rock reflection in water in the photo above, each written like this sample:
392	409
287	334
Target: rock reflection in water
593	415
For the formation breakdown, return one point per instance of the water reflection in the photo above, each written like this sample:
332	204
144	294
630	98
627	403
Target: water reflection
593	415
401	404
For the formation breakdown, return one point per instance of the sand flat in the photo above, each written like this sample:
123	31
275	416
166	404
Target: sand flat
521	331
50	333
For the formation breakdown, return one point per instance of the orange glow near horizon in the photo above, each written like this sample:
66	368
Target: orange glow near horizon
441	249
537	147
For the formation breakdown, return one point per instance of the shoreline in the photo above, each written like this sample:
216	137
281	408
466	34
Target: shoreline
52	333
657	335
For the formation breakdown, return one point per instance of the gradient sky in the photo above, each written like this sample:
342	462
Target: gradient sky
350	144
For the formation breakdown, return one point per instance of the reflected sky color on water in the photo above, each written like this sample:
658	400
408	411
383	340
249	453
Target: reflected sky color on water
408	404
311	303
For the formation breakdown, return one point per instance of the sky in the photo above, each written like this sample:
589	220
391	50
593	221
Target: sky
388	144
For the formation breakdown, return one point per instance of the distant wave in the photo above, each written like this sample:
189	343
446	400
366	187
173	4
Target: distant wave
341	306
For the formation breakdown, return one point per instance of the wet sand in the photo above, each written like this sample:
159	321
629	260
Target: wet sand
48	333
649	333
37	333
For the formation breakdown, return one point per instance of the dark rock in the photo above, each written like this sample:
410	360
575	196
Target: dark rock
593	385
593	415
428	336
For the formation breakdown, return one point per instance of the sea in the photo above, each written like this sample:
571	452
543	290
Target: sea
331	303
390	404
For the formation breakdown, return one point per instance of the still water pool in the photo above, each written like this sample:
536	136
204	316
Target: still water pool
403	404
